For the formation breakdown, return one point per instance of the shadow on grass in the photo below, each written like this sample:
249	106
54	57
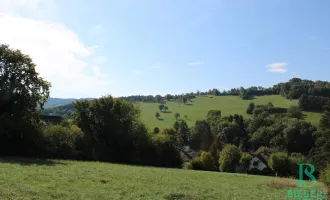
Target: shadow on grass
160	119
189	104
250	98
30	161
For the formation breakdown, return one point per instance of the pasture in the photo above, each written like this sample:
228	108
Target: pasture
198	108
32	179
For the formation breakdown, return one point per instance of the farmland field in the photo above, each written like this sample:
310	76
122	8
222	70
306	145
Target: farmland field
200	105
27	179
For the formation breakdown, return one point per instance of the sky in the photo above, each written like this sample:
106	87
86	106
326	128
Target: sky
128	47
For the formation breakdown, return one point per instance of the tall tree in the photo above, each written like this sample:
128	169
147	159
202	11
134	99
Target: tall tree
161	107
325	120
177	115
158	98
22	93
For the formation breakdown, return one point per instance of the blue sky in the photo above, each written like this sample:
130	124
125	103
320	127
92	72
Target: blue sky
158	47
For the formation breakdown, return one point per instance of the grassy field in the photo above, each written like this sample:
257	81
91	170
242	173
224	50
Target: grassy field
200	105
30	179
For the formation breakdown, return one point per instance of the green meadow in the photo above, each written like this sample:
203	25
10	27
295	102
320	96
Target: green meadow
198	108
32	179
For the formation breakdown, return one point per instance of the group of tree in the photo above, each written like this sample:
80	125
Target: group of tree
231	141
104	129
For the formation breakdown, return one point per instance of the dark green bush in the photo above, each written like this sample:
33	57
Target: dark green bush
325	176
61	141
229	158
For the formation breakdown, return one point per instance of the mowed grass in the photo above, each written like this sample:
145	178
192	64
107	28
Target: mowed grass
201	105
31	179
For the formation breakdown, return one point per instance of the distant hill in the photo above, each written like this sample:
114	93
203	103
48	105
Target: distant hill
54	102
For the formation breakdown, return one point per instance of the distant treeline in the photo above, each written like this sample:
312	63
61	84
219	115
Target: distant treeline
312	95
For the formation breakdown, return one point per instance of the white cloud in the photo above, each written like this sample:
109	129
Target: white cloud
100	60
61	57
277	67
196	63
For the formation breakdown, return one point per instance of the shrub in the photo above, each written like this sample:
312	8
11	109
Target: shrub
207	161
325	176
294	112
245	160
164	151
187	165
168	131
250	108
156	130
279	163
267	150
60	141
294	160
229	158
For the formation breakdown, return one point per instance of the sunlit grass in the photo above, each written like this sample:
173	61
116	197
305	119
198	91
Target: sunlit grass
28	179
200	105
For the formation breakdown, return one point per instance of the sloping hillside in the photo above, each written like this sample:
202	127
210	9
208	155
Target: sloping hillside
198	108
27	179
53	102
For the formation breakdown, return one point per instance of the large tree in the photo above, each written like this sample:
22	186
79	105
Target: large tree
22	93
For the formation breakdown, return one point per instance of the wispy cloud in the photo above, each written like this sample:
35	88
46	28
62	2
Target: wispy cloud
94	47
277	67
196	63
60	56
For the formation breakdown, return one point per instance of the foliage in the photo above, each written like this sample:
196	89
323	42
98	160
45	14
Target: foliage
176	125
325	120
294	112
294	160
177	115
229	158
325	175
161	107
267	150
201	136
22	93
156	130
250	109
279	163
313	103
187	165
207	161
60	141
168	131
245	160
213	115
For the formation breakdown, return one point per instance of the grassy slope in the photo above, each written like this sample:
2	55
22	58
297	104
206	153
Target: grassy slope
27	179
200	106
